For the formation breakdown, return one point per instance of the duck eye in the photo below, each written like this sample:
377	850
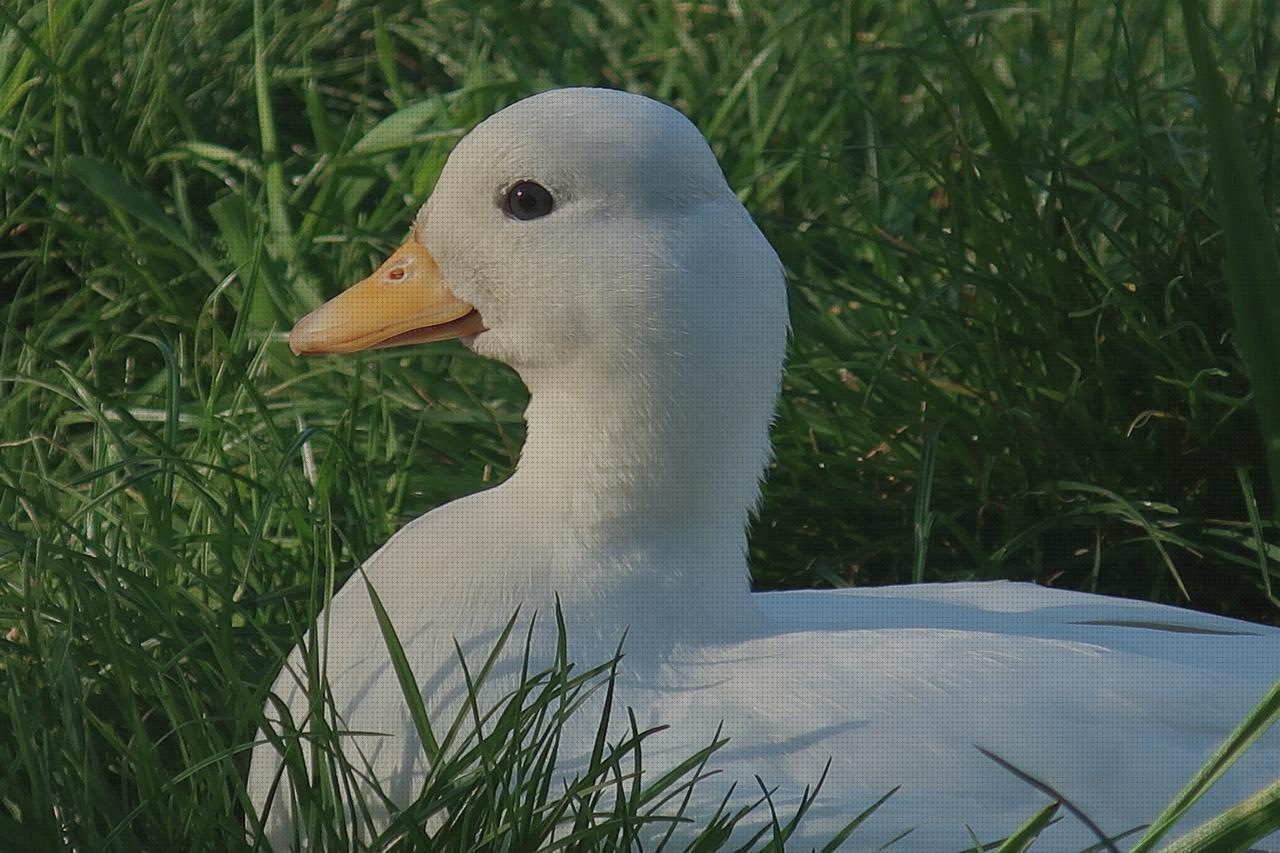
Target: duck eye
527	200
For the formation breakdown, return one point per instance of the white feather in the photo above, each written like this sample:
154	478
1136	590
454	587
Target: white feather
647	315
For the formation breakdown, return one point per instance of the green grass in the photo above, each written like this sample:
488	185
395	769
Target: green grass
1014	350
500	790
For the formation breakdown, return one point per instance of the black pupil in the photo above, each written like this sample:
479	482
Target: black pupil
527	200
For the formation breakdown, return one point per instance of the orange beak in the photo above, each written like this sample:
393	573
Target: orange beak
403	302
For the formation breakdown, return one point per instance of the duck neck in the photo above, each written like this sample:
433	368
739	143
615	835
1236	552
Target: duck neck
640	459
643	447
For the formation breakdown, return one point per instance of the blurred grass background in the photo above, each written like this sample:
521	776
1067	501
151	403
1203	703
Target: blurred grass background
1012	357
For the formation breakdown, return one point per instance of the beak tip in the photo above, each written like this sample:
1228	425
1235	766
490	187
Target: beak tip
300	338
412	306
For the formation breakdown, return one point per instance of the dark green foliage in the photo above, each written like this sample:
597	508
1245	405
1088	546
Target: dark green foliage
1012	357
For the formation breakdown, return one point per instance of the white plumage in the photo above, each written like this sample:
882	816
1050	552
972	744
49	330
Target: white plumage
647	315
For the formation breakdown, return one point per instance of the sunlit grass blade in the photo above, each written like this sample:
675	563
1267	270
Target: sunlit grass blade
1028	833
1104	842
1265	565
1238	827
847	830
1252	727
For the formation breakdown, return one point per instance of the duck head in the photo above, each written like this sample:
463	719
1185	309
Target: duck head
588	239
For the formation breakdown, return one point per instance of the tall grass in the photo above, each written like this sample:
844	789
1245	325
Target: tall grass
1251	261
493	781
1014	353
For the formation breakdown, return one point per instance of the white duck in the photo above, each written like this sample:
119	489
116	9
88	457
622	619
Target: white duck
588	239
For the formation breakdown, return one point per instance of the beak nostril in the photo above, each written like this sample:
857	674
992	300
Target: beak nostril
371	313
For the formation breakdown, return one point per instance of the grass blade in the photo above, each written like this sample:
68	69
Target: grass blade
109	185
1250	729
1030	831
278	215
404	674
1252	263
1236	828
